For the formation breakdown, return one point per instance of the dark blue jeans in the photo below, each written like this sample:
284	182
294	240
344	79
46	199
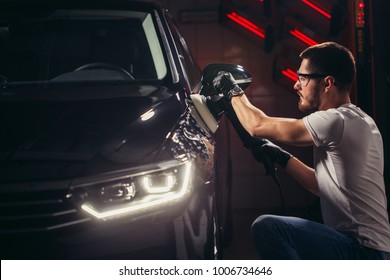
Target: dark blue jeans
291	238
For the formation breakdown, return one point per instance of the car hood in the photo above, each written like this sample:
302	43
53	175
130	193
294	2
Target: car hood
62	138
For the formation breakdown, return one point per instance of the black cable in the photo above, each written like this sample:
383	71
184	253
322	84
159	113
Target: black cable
279	185
252	142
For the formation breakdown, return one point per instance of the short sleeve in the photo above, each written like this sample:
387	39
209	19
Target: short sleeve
326	127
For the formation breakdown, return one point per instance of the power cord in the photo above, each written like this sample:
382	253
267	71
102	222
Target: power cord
250	143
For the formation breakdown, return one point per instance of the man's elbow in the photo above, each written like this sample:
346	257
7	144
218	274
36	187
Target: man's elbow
253	131
257	130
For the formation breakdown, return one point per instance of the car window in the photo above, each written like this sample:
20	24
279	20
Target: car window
190	66
80	45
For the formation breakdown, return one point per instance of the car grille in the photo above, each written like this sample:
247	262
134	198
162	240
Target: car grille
41	211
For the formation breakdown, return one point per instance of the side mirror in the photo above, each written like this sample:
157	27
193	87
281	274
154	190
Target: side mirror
242	76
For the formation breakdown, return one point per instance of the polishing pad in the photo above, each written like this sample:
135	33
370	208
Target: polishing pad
194	113
199	102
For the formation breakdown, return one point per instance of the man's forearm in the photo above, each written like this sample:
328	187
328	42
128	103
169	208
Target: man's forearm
289	131
303	174
249	116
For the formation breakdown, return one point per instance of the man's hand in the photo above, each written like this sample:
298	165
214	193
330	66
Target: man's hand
274	152
225	83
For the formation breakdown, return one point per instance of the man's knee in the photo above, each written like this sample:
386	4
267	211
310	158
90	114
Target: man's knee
266	235
264	225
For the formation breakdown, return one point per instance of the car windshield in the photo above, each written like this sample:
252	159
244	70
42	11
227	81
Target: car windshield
80	45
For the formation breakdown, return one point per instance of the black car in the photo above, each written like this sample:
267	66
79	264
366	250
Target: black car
100	156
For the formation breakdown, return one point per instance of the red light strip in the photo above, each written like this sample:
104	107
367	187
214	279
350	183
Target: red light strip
318	9
247	24
306	39
290	74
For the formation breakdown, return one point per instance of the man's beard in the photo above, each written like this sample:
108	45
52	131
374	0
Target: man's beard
313	103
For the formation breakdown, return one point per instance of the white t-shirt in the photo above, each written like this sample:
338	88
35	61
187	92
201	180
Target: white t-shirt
348	160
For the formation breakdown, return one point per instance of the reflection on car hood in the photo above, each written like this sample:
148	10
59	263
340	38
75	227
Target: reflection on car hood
54	139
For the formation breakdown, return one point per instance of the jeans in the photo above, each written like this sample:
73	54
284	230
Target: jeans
291	238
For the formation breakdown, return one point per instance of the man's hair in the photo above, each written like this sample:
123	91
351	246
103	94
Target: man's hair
332	59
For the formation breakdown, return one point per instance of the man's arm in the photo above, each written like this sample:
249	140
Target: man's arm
258	124
284	130
303	174
297	169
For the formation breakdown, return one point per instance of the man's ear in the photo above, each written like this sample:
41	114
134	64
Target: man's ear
329	82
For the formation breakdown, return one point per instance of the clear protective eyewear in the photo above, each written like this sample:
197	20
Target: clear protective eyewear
304	78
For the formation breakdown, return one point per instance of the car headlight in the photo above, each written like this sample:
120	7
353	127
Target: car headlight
127	194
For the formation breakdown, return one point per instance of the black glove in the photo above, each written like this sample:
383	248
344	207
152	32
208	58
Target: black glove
217	105
273	152
225	83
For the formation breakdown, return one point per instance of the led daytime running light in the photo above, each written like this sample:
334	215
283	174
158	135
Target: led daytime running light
169	183
132	208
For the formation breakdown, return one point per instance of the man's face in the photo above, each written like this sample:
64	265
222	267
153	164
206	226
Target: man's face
309	91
